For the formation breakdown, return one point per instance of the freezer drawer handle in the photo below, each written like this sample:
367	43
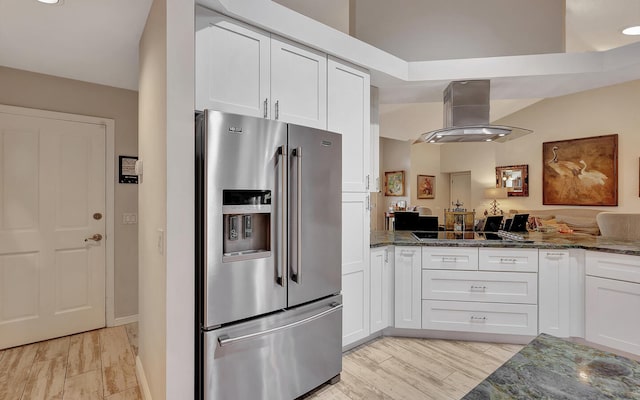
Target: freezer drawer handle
225	340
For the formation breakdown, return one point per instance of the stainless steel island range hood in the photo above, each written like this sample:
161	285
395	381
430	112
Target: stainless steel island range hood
466	117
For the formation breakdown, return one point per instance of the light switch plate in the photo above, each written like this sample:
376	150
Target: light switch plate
129	218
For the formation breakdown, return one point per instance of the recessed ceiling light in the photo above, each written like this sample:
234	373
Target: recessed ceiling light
56	2
632	30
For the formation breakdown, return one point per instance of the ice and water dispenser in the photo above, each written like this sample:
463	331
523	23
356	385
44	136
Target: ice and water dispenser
246	224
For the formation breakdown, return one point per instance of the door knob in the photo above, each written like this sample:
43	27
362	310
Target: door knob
96	238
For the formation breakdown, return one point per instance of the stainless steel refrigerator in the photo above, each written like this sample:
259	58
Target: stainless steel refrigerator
268	251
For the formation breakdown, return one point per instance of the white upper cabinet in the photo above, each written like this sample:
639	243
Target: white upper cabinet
349	114
232	67
298	84
244	70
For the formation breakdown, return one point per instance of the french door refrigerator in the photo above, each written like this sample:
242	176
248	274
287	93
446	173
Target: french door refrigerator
268	229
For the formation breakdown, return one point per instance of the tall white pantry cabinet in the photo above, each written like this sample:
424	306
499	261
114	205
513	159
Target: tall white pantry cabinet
245	70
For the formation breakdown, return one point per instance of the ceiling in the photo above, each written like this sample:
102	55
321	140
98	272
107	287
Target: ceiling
88	40
96	41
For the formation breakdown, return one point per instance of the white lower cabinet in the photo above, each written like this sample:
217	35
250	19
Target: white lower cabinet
408	266
613	304
494	287
554	305
355	267
381	291
486	290
613	313
561	292
462	316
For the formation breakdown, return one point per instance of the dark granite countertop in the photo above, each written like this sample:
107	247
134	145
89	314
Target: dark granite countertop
552	368
550	240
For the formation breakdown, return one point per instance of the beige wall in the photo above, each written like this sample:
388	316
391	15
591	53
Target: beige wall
425	160
334	13
412	29
152	200
607	110
31	90
167	287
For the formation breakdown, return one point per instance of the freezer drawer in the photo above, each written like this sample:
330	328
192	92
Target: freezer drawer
282	356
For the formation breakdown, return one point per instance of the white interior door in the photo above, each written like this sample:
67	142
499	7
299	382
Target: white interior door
52	198
461	189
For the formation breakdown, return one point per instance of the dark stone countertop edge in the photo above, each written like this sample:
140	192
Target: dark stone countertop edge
535	241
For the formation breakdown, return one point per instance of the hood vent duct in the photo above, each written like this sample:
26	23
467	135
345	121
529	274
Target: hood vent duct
466	117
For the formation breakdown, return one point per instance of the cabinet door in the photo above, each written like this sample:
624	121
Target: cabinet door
355	267
232	66
378	256
554	302
348	114
408	287
612	317
382	264
298	84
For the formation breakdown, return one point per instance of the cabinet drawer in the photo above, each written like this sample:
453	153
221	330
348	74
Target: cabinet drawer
499	287
516	260
514	319
614	266
450	258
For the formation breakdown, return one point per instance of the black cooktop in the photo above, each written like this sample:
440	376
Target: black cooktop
455	235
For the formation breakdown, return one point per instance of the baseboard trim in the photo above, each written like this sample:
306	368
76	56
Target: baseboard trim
125	320
142	380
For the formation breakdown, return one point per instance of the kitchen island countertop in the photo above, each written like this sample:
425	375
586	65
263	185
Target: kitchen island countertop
552	368
550	240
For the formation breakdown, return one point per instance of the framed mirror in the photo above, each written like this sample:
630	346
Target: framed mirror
515	178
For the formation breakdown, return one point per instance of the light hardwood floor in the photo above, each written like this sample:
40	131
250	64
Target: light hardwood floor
101	365
414	369
95	365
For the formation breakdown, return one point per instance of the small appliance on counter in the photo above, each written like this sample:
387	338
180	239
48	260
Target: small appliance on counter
268	267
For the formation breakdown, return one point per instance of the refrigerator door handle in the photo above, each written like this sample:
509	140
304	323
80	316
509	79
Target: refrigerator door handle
225	340
280	272
297	152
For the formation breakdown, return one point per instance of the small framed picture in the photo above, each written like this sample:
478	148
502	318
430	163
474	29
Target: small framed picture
426	187
394	183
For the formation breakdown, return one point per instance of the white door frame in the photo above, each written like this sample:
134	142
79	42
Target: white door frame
109	125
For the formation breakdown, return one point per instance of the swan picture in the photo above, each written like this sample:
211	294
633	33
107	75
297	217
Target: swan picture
591	178
580	171
563	168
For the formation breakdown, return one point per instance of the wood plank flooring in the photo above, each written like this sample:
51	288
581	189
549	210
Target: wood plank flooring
391	368
100	365
96	365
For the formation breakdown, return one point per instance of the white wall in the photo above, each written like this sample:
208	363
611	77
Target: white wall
412	29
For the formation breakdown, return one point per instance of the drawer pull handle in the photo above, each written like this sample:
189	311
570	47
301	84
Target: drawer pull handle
555	254
507	261
476	288
478	319
449	259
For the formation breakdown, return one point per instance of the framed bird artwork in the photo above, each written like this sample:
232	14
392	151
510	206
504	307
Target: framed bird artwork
581	172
